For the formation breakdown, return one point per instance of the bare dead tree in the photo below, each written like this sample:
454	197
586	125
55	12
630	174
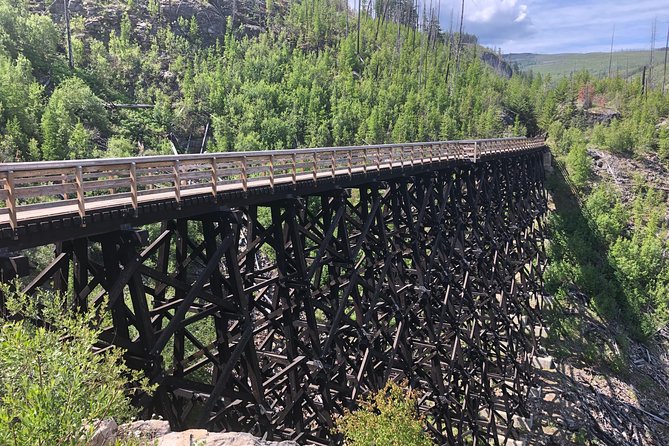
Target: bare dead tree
413	39
204	139
399	13
381	19
432	39
459	46
664	75
345	7
66	14
420	46
449	50
399	18
611	51
436	21
359	8
652	52
437	27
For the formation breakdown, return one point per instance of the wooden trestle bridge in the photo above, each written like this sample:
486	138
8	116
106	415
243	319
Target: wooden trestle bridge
267	291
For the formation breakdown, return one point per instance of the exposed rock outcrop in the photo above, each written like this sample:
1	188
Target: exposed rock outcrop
498	64
158	433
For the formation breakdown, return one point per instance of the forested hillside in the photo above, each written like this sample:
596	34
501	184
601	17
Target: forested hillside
608	268
626	64
304	77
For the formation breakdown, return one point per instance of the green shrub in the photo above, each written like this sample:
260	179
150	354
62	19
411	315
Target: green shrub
72	109
663	143
118	147
51	382
619	137
598	135
386	418
578	165
607	212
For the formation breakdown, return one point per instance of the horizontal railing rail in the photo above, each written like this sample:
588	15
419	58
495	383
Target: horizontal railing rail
78	186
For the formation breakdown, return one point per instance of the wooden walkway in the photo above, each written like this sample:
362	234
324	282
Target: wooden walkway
32	192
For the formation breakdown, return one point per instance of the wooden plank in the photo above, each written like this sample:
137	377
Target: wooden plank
42	191
30	173
36	179
167	178
99	185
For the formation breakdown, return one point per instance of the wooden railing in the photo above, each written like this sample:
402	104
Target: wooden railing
82	185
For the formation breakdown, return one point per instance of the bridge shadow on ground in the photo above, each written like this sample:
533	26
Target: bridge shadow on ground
602	389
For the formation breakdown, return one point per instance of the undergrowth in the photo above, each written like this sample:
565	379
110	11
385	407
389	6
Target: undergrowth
52	384
388	417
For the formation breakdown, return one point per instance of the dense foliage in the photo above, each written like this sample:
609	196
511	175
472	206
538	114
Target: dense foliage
308	79
51	382
387	417
610	248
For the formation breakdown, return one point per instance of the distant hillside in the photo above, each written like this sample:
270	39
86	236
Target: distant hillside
625	63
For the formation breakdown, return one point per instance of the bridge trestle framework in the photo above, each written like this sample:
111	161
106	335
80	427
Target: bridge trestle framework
273	315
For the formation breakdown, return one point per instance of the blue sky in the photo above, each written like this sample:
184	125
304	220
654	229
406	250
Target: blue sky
556	26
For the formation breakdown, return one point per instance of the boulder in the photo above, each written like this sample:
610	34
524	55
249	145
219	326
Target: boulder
104	433
203	438
147	429
158	433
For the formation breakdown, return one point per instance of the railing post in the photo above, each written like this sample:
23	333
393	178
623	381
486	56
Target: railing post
350	163
271	171
378	159
79	180
476	147
294	162
177	180
315	166
214	176
364	154
63	182
334	166
245	180
133	186
11	200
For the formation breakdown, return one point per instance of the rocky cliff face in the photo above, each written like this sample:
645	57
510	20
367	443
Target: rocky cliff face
497	63
100	18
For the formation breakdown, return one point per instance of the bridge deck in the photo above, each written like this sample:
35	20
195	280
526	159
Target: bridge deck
81	195
71	207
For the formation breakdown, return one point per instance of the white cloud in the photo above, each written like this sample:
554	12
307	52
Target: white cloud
586	25
553	26
493	21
